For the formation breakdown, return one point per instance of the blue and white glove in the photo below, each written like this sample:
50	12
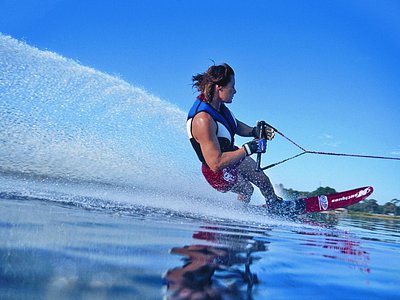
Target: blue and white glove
255	146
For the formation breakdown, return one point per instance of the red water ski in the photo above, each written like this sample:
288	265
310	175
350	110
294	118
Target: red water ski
338	200
318	203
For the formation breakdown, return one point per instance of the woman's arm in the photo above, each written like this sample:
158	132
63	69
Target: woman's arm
244	129
204	130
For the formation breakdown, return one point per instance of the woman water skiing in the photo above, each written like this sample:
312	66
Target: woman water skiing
211	128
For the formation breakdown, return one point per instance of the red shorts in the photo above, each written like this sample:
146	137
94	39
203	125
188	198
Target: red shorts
223	180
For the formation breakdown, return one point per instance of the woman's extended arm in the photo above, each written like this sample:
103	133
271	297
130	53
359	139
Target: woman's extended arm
244	129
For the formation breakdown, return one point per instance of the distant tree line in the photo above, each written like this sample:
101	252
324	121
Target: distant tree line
366	206
371	206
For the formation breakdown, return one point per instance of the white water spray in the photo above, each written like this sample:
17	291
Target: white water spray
61	119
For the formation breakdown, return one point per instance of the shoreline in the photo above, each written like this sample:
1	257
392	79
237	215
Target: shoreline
370	215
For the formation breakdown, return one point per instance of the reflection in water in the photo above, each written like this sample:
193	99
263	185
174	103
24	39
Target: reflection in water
221	267
216	272
341	245
342	248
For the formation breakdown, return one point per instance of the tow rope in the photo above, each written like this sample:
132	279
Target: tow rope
305	151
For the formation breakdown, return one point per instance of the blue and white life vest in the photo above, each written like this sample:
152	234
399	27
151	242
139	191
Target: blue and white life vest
226	126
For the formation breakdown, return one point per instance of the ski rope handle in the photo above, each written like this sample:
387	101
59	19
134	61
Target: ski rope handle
260	126
304	151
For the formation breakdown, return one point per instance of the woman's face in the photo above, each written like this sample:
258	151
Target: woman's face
225	93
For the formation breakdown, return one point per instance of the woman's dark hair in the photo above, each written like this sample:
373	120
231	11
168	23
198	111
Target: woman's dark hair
215	75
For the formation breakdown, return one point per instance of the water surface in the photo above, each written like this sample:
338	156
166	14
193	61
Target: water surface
53	248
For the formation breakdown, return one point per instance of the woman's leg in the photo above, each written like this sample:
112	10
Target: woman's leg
248	173
243	188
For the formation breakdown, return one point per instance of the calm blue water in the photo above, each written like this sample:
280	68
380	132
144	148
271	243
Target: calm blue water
92	208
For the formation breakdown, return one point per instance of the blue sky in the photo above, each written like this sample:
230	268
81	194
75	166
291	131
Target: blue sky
325	73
